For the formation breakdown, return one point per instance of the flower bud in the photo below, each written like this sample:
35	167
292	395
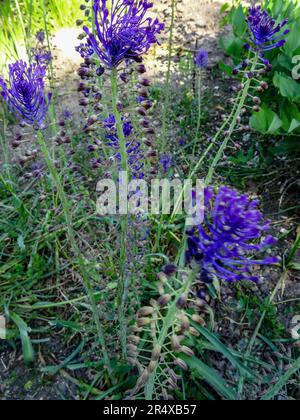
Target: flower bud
92	120
144	123
142	379
186	350
132	349
15	144
182	301
164	300
257	100
173	375
179	362
141	322
160	289
185	323
143	92
146	104
141	111
194	332
264	85
150	131
170	269
175	342
199	320
136	330
145	311
134	339
141	69
152	366
83	102
156	353
144	82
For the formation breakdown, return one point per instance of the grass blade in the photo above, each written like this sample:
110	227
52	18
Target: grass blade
212	377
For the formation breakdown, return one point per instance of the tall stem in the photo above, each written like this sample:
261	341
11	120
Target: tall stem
122	284
84	272
168	78
199	112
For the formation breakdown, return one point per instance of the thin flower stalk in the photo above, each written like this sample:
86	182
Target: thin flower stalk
122	285
168	77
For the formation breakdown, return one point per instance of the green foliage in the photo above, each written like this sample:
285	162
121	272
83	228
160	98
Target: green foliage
280	110
21	19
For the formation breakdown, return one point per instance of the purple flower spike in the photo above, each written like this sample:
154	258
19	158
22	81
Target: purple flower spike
40	36
134	151
25	95
233	231
166	162
122	30
201	59
266	33
42	57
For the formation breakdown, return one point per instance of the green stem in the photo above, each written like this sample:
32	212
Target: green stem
84	272
293	252
52	111
168	78
23	27
231	127
199	114
122	284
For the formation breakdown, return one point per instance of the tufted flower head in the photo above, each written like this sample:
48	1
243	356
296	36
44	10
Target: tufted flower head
233	232
42	56
123	32
40	36
25	94
201	59
266	33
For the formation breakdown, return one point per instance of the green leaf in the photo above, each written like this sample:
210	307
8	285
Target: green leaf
294	266
290	116
292	40
220	347
288	87
294	125
232	46
239	22
211	376
224	67
274	391
28	352
266	121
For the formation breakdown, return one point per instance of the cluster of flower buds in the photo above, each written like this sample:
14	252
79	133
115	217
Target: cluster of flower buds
178	294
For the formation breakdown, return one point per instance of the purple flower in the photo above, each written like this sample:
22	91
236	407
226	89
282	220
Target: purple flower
123	31
134	151
266	33
166	162
201	59
42	57
67	114
233	231
40	36
85	50
25	93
